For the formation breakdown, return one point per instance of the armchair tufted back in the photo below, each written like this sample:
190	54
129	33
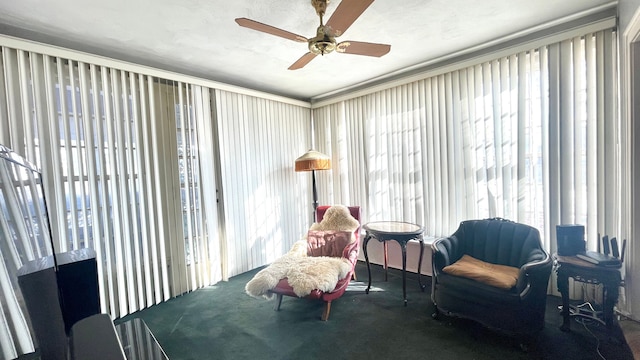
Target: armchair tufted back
499	241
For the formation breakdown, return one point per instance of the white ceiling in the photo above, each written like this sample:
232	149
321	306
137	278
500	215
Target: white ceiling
201	38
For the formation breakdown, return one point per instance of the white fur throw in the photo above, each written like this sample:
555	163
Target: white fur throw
304	273
337	217
307	273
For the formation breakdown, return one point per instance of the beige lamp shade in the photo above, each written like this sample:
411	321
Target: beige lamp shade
313	160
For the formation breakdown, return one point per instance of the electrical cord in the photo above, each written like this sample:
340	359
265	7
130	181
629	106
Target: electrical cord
584	322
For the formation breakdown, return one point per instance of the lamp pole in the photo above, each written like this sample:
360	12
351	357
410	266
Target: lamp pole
315	193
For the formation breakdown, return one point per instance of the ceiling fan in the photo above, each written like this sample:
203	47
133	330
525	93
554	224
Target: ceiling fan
325	40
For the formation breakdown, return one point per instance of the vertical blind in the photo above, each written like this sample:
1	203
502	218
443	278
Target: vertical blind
266	203
174	185
532	137
119	152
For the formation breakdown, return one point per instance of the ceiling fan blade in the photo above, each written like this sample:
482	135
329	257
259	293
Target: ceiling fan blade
363	48
252	24
345	14
304	60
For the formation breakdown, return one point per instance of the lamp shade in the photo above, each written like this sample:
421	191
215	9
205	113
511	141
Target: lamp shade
313	160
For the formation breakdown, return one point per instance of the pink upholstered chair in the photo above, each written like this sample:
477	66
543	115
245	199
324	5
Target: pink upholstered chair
350	252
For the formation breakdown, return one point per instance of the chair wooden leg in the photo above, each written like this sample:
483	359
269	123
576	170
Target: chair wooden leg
327	310
278	302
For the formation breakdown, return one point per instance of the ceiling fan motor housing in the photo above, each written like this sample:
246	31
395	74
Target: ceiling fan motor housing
322	43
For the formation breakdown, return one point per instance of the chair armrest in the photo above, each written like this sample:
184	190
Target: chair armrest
534	274
445	251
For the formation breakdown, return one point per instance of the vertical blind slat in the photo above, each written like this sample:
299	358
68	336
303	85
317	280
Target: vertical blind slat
134	177
90	144
145	203
155	208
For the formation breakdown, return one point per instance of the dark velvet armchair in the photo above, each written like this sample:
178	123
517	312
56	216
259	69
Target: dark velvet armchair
349	252
517	310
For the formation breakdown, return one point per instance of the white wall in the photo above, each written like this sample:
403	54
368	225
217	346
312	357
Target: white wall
626	10
629	20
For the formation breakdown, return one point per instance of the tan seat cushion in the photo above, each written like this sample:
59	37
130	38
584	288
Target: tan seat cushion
500	276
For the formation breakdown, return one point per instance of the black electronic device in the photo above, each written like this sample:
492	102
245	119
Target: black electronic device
599	259
570	239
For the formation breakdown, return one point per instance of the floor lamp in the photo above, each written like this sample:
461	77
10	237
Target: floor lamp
312	161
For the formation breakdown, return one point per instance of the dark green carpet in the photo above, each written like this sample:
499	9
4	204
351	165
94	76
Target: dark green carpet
222	322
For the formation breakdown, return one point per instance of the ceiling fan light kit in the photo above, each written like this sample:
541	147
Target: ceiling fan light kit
325	40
